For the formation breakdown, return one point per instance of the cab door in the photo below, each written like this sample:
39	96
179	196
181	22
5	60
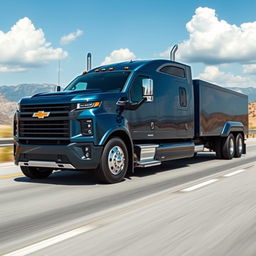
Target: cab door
175	103
141	122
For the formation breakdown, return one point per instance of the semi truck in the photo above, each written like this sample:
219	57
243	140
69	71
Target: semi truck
116	117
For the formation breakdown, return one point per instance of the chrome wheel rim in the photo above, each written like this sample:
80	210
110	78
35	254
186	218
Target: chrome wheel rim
231	147
116	160
240	145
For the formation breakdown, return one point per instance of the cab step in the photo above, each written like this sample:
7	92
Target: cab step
147	164
146	155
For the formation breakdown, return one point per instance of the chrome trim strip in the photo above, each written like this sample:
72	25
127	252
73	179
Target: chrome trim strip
47	164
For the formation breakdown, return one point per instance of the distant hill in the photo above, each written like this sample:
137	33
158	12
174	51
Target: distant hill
7	110
252	115
15	93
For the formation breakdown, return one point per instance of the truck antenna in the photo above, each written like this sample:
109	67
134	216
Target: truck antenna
89	61
173	52
59	72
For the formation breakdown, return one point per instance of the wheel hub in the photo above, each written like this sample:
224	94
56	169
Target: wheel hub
116	160
231	147
240	145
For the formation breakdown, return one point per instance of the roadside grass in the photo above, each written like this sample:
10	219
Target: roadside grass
6	153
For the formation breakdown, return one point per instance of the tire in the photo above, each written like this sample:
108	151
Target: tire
228	148
36	172
114	162
239	145
218	148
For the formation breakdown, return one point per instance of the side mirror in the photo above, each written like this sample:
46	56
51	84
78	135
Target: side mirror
58	88
147	86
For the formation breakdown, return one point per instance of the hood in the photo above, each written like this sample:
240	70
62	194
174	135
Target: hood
71	97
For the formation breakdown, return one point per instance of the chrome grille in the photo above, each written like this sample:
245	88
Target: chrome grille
57	125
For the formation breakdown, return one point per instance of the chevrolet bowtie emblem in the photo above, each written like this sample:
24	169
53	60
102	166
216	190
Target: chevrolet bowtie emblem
41	114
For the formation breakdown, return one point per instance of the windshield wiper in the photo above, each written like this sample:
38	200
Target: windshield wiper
87	90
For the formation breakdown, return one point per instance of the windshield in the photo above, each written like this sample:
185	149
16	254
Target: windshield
106	82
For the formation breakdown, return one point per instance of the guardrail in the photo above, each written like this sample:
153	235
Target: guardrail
5	142
252	131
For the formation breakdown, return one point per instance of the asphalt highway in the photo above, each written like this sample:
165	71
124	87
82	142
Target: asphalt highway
200	206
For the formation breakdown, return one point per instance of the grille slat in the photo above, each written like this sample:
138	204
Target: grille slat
52	114
44	133
56	126
41	124
48	107
43	129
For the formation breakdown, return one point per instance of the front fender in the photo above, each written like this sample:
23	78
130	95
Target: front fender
112	131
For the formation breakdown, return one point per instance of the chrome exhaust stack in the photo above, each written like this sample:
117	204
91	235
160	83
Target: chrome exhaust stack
89	61
173	52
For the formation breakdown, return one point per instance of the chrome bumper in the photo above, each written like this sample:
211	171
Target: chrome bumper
47	164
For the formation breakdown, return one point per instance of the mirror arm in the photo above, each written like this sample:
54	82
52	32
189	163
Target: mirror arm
124	103
134	106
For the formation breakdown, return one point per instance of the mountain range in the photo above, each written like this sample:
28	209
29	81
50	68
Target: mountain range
10	95
15	93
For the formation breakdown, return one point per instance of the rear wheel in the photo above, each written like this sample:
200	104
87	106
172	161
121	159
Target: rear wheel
36	172
239	145
228	149
114	162
218	148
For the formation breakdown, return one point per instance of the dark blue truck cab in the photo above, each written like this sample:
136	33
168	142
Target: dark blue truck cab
126	115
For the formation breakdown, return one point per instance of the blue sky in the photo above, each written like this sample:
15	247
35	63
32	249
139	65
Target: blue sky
137	29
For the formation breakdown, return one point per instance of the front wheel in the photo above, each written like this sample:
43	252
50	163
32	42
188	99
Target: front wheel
114	162
36	172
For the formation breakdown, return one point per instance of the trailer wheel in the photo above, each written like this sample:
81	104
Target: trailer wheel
36	172
239	145
228	149
114	162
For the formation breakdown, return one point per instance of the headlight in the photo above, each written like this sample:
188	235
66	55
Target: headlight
88	105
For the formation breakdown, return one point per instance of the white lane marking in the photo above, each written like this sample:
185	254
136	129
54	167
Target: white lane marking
199	185
234	173
50	241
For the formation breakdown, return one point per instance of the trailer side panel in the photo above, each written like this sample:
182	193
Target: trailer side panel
215	106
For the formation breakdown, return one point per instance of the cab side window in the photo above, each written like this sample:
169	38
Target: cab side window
173	71
136	89
183	97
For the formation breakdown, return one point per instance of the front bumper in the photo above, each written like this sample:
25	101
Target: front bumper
71	156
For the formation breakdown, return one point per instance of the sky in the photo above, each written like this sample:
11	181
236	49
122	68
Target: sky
216	37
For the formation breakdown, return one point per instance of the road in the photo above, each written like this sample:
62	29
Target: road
200	206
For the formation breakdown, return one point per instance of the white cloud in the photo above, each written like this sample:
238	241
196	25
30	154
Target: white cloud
12	69
215	41
24	46
71	37
214	75
249	69
123	54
